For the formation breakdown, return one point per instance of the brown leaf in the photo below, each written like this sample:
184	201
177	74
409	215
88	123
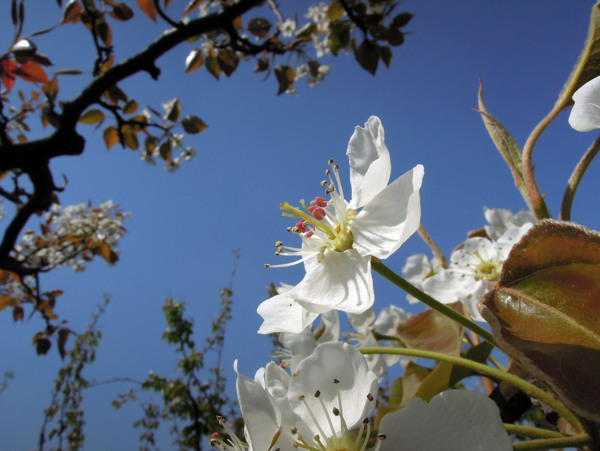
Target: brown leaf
431	331
148	8
194	60
545	311
111	136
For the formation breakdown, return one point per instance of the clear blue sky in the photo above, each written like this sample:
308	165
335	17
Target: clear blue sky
260	150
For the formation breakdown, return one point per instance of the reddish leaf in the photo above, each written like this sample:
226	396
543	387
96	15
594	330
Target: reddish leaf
431	331
122	12
32	71
148	8
72	11
545	311
7	69
212	65
5	301
228	61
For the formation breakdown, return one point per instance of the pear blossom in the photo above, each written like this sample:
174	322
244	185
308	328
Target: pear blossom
473	270
339	237
585	115
460	420
418	268
500	220
320	406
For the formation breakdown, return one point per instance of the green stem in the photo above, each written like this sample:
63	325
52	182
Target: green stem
527	387
530	431
575	441
576	176
430	302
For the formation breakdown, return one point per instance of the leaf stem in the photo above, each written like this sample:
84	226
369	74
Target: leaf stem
576	176
530	431
429	301
537	201
426	237
575	441
527	387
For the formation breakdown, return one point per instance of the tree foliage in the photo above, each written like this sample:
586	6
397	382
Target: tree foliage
221	34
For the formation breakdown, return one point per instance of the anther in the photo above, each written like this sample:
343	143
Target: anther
278	244
336	411
336	381
330	162
370	397
317	394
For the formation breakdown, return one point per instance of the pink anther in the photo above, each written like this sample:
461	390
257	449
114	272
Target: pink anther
320	202
317	212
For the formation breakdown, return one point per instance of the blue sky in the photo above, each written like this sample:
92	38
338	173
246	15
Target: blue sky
260	150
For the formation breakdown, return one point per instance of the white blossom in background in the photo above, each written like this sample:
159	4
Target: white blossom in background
500	220
473	270
418	268
327	404
287	28
585	115
67	233
339	237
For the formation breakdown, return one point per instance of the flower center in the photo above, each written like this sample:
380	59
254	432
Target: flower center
332	438
489	271
323	224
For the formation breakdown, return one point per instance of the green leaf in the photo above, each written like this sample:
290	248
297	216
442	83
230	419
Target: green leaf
367	55
401	20
545	311
259	27
165	150
339	36
335	10
193	124
588	65
506	145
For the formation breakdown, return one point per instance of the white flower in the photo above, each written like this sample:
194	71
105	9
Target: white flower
585	115
500	220
331	393
473	270
340	237
418	268
460	420
287	28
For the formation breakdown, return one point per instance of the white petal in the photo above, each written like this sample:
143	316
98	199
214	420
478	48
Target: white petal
446	286
460	420
341	375
370	165
362	322
585	115
390	218
261	415
416	268
301	346
282	313
342	281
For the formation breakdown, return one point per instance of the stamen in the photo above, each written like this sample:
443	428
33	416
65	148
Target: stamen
317	425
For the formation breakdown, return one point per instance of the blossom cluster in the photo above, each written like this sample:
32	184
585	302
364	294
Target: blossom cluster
71	235
323	392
